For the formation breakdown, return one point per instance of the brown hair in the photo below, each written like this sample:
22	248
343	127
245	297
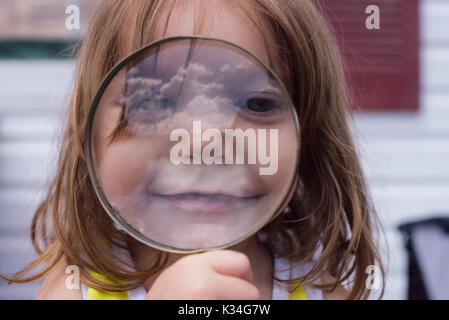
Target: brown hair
330	216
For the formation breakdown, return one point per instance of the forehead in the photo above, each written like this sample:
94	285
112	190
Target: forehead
203	59
217	20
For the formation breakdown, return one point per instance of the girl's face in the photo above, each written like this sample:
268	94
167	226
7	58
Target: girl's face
165	146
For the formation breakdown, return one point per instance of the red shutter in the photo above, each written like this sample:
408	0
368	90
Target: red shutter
383	64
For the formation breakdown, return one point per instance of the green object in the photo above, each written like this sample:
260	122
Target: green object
38	49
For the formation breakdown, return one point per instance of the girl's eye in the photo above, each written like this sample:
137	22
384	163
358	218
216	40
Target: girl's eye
141	115
155	104
260	104
150	110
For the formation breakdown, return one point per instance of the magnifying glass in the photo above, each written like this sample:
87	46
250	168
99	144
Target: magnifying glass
192	144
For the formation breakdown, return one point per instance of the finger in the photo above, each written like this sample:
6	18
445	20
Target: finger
231	263
232	288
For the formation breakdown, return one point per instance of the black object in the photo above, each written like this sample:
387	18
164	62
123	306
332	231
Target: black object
418	289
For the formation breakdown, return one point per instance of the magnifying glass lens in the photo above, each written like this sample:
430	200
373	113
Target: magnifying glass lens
192	144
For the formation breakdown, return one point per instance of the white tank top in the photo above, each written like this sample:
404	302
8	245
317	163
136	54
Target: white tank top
280	289
282	271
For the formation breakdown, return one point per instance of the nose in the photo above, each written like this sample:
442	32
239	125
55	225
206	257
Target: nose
207	143
201	143
204	121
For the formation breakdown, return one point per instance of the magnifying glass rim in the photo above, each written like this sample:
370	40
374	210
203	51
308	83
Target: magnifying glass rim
89	160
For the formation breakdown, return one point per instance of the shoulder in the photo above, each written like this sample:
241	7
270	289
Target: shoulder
54	286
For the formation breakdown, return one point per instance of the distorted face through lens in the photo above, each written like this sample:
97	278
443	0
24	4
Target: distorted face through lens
194	144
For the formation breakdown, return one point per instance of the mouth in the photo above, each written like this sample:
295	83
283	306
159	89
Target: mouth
206	202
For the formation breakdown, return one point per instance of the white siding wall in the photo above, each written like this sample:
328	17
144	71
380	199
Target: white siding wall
404	155
33	94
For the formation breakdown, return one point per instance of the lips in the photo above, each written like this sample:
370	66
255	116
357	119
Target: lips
200	201
201	188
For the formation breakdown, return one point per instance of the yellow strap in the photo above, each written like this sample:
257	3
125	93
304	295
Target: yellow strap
96	294
298	294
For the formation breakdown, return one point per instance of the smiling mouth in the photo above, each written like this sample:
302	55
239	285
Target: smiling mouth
206	202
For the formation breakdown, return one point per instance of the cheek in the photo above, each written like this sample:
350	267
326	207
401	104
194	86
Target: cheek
120	170
127	166
287	160
289	198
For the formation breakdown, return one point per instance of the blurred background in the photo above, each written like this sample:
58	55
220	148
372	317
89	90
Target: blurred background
400	76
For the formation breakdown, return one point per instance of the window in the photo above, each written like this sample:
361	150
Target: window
37	28
383	65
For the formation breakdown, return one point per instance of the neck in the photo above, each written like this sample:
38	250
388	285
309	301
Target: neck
261	263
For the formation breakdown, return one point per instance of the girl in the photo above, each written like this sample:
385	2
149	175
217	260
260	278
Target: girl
320	242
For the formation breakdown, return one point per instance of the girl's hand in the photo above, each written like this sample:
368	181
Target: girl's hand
220	275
